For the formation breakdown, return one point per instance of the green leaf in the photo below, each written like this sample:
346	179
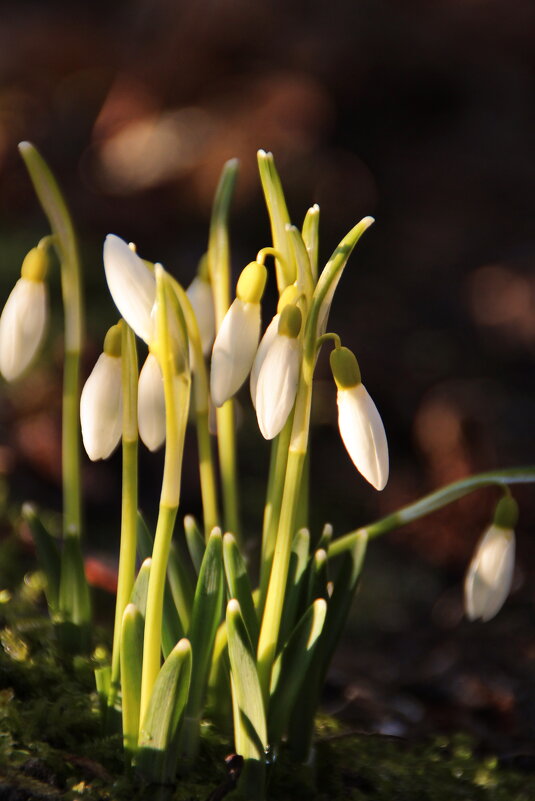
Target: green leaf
205	620
194	541
131	655
48	554
310	233
250	731
301	724
138	596
157	754
290	668
295	583
239	586
326	537
278	218
172	629
317	576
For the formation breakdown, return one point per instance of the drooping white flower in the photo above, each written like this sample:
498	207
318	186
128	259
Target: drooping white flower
101	402
22	327
151	404
25	316
132	285
490	574
360	424
237	339
200	296
279	375
265	343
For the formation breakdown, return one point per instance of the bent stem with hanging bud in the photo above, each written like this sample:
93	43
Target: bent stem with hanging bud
177	654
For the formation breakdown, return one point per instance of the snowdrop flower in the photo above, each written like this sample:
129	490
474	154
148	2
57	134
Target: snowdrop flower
279	375
200	296
151	404
237	339
101	403
132	285
25	316
289	297
490	574
360	424
265	343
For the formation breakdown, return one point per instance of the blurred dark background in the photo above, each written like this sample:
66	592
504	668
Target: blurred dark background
419	113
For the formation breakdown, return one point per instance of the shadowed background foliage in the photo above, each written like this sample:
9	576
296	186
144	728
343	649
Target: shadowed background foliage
419	113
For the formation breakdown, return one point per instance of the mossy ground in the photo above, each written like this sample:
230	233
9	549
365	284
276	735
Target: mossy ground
52	746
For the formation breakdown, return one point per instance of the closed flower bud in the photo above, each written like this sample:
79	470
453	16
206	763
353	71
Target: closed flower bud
279	375
200	296
25	316
234	350
101	403
490	574
360	424
151	404
132	285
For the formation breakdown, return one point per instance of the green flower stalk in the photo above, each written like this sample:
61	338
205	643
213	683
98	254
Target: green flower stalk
171	347
127	555
74	600
218	256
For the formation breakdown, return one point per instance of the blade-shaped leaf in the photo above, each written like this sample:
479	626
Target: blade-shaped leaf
172	629
239	585
157	754
205	620
295	583
250	731
302	719
317	576
291	666
310	237
131	655
194	541
48	554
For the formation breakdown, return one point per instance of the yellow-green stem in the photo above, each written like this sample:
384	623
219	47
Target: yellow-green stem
201	402
206	473
177	396
219	269
436	500
272	508
129	502
269	632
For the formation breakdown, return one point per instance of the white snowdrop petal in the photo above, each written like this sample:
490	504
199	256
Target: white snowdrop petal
101	406
200	296
490	574
363	434
132	285
234	350
22	326
277	385
151	404
265	343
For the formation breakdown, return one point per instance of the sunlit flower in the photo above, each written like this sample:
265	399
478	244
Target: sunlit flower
265	343
151	404
360	424
279	375
237	339
101	403
25	317
490	574
132	285
200	296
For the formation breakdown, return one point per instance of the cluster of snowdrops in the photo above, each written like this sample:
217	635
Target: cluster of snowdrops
195	641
